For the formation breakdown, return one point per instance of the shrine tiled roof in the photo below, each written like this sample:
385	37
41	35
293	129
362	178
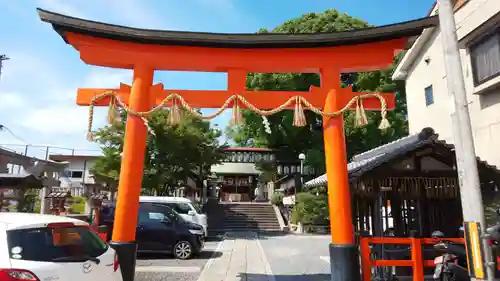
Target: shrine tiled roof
64	24
58	195
371	159
235	169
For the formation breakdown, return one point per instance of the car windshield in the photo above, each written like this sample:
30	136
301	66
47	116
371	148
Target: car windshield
64	244
182	207
168	211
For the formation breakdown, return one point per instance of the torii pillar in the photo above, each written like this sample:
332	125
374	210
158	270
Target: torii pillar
144	51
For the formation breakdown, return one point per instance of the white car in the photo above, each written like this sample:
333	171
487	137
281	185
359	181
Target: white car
38	247
181	205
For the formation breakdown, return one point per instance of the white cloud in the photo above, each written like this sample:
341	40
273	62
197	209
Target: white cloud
62	7
37	95
134	13
107	78
125	12
64	117
10	100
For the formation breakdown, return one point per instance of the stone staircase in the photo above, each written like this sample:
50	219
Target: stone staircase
242	216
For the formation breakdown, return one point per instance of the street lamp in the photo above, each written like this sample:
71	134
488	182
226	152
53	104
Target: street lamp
302	157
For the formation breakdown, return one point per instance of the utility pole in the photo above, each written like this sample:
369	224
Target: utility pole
468	176
2	58
25	154
47	152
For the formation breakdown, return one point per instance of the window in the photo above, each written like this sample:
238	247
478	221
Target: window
181	208
77	174
158	211
485	58
429	96
61	244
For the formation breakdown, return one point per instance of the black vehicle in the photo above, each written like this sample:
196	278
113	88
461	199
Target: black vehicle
161	230
452	263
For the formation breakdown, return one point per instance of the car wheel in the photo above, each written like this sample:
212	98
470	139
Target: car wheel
183	250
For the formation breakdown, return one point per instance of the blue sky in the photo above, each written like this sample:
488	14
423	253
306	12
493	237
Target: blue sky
39	82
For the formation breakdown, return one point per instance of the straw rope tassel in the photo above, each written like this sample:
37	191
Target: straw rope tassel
90	135
237	118
112	113
361	119
384	123
299	118
174	117
357	117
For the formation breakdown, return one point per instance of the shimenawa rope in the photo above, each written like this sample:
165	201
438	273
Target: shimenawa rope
178	103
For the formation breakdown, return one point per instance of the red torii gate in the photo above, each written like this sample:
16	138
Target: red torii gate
145	51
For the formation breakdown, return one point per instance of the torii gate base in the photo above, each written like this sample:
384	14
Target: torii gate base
145	51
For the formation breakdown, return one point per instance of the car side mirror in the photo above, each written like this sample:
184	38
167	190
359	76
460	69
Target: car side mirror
191	213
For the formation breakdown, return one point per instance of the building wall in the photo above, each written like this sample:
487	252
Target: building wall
77	176
428	69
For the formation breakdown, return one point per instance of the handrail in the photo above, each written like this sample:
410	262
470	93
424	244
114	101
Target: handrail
416	261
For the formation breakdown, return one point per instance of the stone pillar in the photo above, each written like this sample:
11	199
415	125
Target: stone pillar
204	194
3	169
260	192
46	189
87	194
44	203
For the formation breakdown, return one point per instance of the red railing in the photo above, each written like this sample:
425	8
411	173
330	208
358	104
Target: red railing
416	261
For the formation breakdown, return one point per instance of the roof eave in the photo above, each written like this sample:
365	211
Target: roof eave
401	71
64	24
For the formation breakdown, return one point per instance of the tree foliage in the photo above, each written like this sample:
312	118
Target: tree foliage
174	153
291	141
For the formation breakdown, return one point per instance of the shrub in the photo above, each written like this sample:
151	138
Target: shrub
77	208
310	209
277	198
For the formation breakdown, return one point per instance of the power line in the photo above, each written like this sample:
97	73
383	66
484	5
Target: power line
50	146
4	128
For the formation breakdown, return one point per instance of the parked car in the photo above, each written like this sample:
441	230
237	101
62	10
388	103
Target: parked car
181	205
160	229
44	247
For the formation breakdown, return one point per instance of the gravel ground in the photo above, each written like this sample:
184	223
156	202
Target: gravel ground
164	267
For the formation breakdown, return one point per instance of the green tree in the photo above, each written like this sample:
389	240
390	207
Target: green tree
290	141
174	153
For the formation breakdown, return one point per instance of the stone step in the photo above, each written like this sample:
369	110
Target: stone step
248	223
242	217
218	231
252	216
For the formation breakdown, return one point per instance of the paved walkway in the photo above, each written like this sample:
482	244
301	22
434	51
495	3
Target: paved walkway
243	259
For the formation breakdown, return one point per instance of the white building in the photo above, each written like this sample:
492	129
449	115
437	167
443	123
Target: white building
77	177
478	31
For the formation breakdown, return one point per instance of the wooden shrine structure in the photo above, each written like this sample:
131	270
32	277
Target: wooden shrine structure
144	51
409	188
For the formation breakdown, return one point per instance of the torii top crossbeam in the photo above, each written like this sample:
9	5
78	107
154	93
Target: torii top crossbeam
116	46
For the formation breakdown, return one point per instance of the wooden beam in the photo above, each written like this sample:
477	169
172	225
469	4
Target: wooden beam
119	54
216	98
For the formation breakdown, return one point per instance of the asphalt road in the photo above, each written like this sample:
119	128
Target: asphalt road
298	257
165	267
290	257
